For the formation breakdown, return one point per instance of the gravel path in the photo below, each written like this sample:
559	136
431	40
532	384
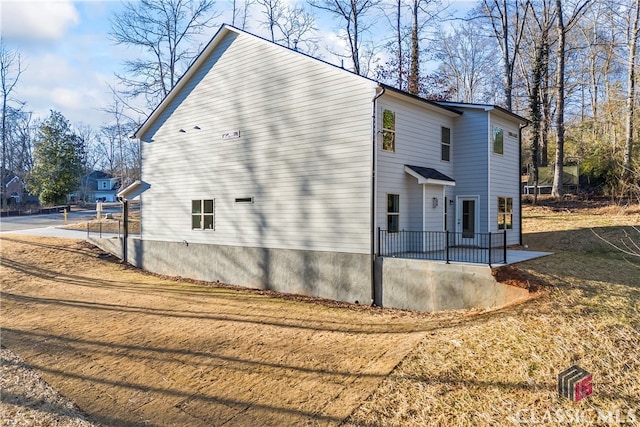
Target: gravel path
27	400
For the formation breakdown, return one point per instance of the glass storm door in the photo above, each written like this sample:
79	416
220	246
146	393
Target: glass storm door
467	218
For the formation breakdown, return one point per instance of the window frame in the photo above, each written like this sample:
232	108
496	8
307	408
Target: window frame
205	213
389	132
393	213
498	132
445	144
505	213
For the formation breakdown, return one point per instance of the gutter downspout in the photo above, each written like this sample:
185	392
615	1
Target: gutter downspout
520	174
374	148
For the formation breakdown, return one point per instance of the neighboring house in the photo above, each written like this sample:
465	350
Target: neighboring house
14	190
106	189
267	168
99	186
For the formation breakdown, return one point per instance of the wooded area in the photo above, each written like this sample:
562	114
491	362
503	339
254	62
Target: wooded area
568	66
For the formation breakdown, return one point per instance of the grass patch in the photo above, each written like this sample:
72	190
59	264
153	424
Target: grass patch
501	369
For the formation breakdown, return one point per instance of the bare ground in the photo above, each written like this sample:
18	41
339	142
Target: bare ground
135	349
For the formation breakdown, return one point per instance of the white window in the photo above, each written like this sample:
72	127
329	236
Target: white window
203	214
505	213
393	213
388	130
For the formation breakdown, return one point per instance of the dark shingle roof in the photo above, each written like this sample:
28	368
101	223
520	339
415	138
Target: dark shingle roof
430	173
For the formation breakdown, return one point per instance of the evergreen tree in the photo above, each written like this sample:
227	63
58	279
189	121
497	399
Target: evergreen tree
58	159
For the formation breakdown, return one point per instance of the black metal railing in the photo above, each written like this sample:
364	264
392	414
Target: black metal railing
112	228
448	246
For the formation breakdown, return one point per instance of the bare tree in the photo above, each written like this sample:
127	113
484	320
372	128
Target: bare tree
19	139
120	153
164	30
399	41
632	43
562	27
537	38
354	14
296	26
421	16
240	12
467	58
508	19
10	71
272	11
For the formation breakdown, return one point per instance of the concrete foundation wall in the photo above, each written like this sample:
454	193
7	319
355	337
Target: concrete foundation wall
435	286
401	283
337	276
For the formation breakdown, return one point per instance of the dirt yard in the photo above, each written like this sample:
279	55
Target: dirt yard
131	348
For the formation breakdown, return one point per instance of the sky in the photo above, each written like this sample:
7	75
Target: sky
69	61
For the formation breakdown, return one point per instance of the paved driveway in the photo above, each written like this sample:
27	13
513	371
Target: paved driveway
135	349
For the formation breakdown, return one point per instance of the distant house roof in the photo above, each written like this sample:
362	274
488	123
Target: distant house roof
428	175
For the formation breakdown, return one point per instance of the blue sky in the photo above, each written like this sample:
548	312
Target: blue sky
67	56
69	60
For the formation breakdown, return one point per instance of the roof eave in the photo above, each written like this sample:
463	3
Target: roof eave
446	109
486	107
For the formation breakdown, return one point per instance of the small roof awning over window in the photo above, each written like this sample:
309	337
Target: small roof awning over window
428	175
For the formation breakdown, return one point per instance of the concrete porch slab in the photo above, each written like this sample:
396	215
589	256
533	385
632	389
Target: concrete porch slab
515	256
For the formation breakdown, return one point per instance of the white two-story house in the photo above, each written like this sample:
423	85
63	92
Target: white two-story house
267	168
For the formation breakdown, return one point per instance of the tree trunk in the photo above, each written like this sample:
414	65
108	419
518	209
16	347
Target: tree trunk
414	73
399	41
355	48
631	94
557	188
546	108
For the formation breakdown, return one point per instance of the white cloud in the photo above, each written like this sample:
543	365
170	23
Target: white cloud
36	19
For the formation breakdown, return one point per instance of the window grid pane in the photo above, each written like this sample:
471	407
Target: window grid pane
208	222
393	203
445	153
196	221
393	223
393	213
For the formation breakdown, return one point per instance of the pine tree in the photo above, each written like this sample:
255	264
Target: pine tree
58	159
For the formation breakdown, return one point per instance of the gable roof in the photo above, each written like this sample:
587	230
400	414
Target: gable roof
226	29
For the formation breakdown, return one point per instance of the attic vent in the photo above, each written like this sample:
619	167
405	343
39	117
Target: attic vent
244	200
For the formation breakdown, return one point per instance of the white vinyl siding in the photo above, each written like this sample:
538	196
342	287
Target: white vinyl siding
418	143
303	153
505	175
470	153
